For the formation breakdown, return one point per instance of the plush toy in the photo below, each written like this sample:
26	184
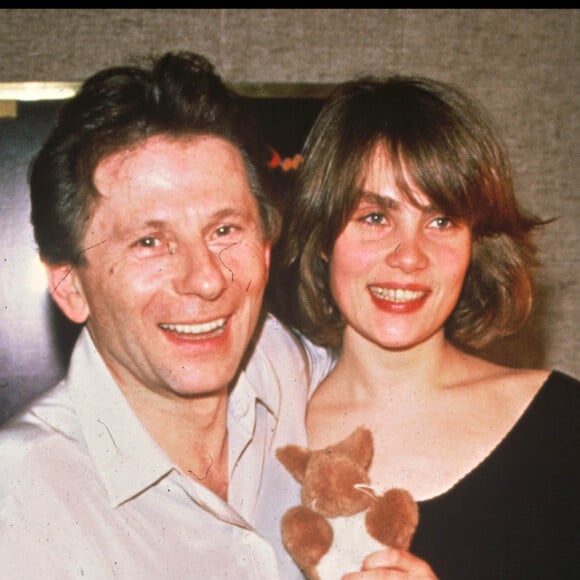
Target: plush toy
341	520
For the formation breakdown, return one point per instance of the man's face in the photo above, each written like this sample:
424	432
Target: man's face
177	266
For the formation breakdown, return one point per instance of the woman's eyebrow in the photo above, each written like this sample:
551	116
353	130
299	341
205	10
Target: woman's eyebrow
380	200
387	202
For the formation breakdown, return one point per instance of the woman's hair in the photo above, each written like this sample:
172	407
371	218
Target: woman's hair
440	142
178	95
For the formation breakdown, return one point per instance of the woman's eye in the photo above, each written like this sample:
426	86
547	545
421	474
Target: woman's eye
442	223
374	218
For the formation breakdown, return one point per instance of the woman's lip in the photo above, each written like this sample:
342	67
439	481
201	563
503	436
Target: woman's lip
403	299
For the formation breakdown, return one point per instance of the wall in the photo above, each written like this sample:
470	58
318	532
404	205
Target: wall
522	64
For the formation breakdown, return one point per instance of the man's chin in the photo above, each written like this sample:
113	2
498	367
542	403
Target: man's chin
205	380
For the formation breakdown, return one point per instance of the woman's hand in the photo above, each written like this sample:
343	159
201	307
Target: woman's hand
391	564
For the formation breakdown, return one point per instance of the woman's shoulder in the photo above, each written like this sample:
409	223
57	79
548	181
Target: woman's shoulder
554	408
525	380
505	392
522	389
563	379
496	377
529	382
561	391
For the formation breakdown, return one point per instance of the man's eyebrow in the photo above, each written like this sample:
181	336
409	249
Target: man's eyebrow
230	212
217	215
154	224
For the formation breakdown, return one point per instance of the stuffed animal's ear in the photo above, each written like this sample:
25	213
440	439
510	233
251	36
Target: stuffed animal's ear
358	446
294	459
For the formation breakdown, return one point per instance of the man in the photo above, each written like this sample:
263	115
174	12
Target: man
154	458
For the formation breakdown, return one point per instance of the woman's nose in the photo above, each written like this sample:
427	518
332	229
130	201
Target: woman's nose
407	253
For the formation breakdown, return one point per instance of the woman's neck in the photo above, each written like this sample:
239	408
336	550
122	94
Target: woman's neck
368	370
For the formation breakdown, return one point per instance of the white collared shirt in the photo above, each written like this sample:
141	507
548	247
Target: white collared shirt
85	492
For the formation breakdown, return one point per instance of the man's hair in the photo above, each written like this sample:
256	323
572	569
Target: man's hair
441	142
177	95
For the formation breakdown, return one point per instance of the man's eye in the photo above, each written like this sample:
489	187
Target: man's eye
225	230
148	242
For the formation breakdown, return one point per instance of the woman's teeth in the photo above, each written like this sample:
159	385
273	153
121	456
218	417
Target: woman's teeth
397	294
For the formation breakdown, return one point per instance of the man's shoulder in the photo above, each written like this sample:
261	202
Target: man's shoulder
276	338
285	350
29	433
274	335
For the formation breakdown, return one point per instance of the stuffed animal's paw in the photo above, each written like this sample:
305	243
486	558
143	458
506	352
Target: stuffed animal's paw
307	537
393	518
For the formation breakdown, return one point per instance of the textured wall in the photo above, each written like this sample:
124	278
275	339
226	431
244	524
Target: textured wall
523	64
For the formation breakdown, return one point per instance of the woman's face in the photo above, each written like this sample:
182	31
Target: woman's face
397	269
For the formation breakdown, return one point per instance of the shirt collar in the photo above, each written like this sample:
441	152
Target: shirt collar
127	458
257	373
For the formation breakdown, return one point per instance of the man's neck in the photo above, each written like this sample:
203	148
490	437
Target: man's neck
193	433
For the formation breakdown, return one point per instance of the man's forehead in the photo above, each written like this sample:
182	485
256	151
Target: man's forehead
160	154
173	181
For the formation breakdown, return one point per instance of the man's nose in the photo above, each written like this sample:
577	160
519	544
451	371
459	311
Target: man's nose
201	271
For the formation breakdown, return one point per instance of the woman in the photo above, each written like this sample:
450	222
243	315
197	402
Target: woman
411	252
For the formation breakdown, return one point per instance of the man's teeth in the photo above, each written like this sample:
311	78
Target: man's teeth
396	295
196	328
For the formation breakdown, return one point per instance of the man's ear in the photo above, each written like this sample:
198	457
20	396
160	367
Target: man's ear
67	291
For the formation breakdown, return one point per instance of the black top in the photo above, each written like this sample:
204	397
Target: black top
517	514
